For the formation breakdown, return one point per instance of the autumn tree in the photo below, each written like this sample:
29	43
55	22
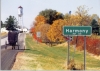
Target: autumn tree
39	21
51	15
82	11
75	20
55	32
67	15
44	29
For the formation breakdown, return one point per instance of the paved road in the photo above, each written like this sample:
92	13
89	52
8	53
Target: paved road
8	55
3	40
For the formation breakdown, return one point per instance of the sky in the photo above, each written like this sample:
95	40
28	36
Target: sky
31	8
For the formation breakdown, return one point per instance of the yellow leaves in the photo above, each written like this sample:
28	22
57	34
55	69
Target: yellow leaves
40	19
74	20
44	29
58	13
55	32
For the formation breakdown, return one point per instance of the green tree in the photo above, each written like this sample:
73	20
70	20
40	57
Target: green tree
51	15
95	26
2	24
11	23
95	16
94	22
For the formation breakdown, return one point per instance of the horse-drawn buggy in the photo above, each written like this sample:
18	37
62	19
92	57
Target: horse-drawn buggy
12	39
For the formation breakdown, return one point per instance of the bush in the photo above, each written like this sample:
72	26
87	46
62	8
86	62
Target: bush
73	66
92	44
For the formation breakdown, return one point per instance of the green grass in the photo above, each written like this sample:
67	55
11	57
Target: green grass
54	58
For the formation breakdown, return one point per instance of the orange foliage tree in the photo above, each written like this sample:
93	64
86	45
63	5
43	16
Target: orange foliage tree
55	32
44	29
39	20
75	20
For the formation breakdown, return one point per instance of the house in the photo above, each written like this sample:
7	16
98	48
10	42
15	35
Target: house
3	30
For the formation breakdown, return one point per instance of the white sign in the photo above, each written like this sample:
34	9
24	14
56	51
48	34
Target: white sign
38	34
70	38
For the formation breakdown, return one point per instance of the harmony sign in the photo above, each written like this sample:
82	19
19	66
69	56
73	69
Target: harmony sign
77	30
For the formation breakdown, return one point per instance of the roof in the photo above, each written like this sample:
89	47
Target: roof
20	7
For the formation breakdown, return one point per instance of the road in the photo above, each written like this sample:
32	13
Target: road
8	56
3	42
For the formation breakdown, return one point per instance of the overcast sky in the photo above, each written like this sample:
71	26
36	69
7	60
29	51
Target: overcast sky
31	8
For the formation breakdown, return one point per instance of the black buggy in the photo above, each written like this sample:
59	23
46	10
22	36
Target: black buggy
12	39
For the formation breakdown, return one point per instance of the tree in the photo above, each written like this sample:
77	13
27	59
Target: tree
11	23
55	32
99	21
2	25
39	20
75	20
44	29
67	16
95	16
95	26
82	11
94	22
51	15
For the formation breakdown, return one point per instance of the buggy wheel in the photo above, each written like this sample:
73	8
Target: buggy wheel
18	45
6	47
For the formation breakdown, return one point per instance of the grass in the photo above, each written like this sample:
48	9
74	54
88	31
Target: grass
43	57
47	57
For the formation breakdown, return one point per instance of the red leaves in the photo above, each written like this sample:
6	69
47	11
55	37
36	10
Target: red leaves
36	38
34	35
92	45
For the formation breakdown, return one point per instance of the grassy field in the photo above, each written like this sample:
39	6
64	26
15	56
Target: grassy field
39	56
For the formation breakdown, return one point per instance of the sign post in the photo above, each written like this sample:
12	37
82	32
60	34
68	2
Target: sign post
68	50
78	31
38	34
84	52
68	38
